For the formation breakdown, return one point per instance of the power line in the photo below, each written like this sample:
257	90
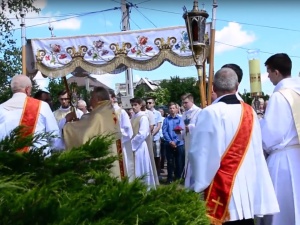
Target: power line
145	16
134	23
249	24
271	53
71	17
159	10
258	25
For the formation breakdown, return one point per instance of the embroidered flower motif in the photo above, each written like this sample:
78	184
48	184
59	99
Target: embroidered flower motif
98	44
55	48
115	118
97	50
47	57
62	56
143	40
141	48
104	52
183	44
148	49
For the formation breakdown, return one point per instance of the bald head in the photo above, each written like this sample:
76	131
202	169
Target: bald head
20	83
225	82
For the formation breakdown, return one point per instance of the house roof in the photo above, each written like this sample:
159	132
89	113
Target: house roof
93	82
152	85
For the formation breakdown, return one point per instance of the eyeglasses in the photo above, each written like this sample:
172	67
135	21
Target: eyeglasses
149	103
64	99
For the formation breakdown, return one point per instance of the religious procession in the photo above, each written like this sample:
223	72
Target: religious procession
213	162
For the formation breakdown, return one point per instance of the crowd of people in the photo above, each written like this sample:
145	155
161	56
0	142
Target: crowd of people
244	161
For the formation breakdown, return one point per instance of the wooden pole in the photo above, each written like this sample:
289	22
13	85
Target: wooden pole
212	52
204	81
201	87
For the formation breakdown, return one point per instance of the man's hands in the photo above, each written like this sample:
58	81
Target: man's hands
173	144
71	117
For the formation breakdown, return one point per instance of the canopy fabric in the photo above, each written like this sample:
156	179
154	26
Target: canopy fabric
109	53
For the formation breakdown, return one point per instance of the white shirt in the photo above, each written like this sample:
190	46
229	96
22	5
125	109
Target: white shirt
10	116
150	116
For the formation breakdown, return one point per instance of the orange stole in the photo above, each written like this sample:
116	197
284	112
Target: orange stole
29	118
219	192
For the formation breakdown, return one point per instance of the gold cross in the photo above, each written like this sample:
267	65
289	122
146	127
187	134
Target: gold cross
218	203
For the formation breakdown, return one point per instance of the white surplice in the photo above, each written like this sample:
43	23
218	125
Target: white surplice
61	113
143	165
280	140
127	132
10	116
192	115
253	192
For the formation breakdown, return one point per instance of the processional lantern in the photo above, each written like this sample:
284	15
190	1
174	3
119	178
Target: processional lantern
195	22
255	77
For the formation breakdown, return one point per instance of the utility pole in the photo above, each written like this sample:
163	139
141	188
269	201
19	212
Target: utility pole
126	26
23	39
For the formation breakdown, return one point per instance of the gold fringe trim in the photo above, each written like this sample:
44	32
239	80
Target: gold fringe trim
118	64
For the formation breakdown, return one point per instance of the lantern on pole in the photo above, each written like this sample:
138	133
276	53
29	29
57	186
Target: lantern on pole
195	22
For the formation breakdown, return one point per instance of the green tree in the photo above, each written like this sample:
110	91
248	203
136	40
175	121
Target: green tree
57	85
10	52
161	96
177	86
140	92
76	187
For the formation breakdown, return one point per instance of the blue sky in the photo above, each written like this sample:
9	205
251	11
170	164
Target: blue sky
270	26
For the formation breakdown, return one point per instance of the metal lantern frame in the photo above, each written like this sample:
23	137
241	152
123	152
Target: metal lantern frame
195	21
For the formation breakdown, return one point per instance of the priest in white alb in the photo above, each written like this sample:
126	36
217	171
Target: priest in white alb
227	160
127	132
187	123
281	139
141	129
34	115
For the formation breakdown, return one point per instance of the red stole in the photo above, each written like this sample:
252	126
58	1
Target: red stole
29	118
116	116
219	192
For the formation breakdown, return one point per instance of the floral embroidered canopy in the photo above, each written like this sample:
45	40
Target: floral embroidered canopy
109	53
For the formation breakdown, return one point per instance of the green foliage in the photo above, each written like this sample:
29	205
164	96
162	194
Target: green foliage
140	92
177	86
248	99
75	187
57	85
10	53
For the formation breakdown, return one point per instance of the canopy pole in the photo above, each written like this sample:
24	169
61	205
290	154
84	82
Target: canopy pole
212	52
23	39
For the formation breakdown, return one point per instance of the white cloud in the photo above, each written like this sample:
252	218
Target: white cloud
234	36
70	24
136	77
33	18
